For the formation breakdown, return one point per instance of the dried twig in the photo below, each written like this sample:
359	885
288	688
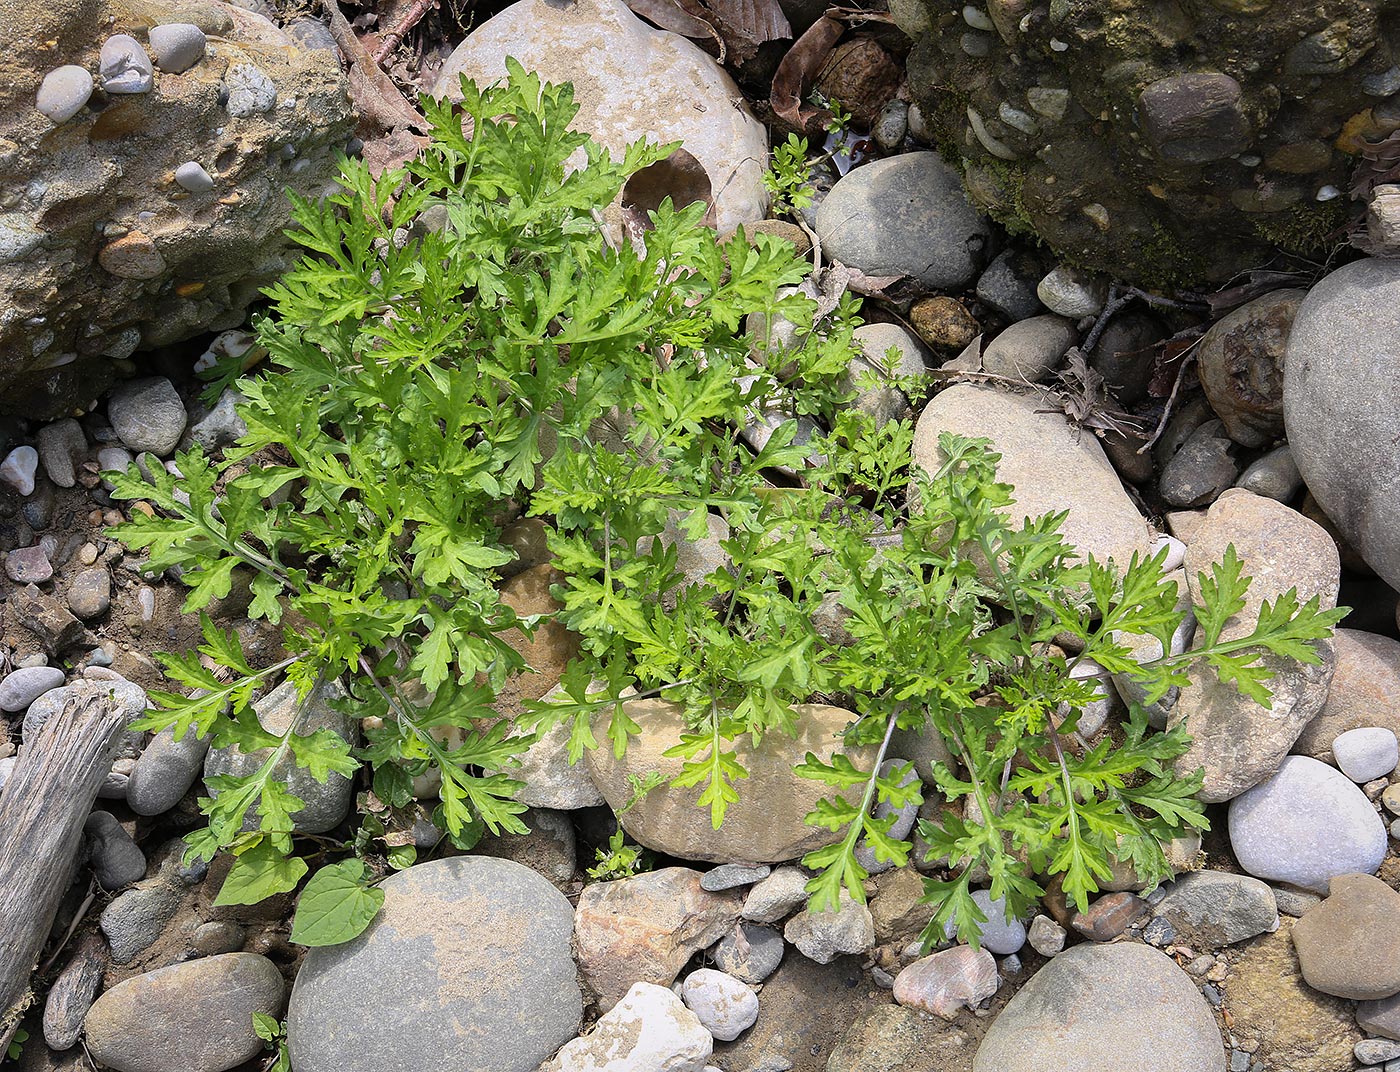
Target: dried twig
406	22
1186	358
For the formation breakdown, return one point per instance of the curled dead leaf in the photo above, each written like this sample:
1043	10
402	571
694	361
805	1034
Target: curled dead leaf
798	69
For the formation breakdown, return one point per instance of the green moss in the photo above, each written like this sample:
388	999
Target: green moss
1165	264
1307	229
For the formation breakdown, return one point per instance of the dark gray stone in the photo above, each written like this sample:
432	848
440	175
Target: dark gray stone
1008	285
1203	468
136	919
116	859
1210	909
147	414
467	966
731	876
1194	118
196	1016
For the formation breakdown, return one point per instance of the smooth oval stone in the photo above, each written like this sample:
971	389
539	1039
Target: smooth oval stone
467	966
197	1016
1305	825
191	176
20	688
178	46
64	92
1098	1007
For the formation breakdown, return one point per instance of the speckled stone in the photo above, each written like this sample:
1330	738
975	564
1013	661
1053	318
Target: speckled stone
64	92
124	66
467	965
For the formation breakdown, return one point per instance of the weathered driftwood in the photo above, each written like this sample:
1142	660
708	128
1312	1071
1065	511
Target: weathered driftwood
42	809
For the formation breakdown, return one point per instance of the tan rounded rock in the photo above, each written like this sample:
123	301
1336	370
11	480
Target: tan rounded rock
1349	945
765	826
1365	691
133	256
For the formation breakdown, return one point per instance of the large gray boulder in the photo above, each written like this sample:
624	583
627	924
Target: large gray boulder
1104	1008
467	966
1341	405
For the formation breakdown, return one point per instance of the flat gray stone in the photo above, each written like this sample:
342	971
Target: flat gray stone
908	216
731	876
749	952
1118	1006
1210	909
136	919
116	859
196	1016
147	414
467	966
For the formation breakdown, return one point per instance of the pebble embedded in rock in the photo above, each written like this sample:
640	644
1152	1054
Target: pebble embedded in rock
823	936
132	256
196	1016
1305	825
649	1030
116	859
178	46
64	92
1210	909
147	414
725	1006
945	982
905	215
191	176
250	91
1072	292
123	66
90	593
749	953
1119	1006
20	688
1366	753
1349	945
28	565
466	965
19	468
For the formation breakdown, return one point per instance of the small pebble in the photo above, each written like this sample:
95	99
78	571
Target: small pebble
1239	1061
1159	932
178	46
146	602
116	859
1376	1051
1073	292
193	177
249	91
1046	936
60	444
90	593
19	469
123	65
1109	916
1011	965
20	688
732	876
28	565
1366	753
64	92
218	936
724	1005
749	952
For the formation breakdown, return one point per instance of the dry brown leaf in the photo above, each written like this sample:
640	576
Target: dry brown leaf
747	25
799	67
670	15
380	104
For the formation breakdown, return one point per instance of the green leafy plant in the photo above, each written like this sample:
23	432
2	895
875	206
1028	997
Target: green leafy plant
788	178
274	1037
465	343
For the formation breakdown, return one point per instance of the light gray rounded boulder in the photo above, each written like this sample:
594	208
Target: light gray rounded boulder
467	966
1104	1008
1305	825
1341	405
908	216
147	415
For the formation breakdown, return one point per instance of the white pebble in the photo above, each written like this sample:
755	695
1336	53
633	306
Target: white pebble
725	1006
1176	552
1367	753
978	19
193	177
146	601
18	469
64	92
123	65
249	91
